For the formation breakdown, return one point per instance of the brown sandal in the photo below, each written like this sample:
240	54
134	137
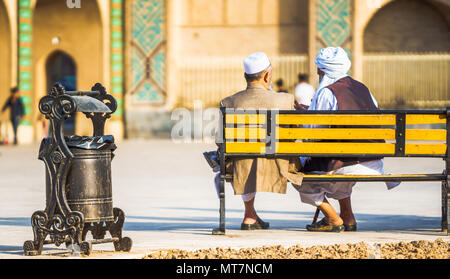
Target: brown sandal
324	226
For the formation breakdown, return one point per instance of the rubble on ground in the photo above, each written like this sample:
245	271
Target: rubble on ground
438	249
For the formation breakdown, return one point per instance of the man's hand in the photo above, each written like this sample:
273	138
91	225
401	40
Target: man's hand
298	106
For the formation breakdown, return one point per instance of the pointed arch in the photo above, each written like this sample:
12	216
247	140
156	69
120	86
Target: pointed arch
407	26
77	33
61	67
5	53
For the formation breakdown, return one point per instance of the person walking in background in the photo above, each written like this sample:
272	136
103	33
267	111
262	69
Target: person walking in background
304	92
16	110
280	86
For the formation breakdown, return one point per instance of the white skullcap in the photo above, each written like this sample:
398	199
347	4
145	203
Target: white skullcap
333	61
256	62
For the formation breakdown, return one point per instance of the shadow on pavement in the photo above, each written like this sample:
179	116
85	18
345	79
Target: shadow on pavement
366	222
295	221
12	250
15	221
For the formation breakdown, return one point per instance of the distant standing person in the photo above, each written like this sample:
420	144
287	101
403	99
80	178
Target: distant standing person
304	92
16	110
280	86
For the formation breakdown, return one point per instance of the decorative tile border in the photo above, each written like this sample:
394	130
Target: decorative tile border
117	52
25	57
334	23
147	52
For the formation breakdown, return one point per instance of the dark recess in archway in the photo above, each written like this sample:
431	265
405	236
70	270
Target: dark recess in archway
60	67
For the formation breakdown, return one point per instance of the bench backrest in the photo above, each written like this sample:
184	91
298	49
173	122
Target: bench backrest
275	133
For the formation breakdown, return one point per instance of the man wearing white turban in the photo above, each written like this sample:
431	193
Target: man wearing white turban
337	91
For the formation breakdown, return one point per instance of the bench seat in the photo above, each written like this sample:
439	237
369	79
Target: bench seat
277	133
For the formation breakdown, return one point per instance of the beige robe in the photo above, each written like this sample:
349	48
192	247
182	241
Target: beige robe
260	174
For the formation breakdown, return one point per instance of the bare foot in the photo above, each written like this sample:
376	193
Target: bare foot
249	220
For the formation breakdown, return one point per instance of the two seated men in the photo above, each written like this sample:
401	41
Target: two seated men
337	91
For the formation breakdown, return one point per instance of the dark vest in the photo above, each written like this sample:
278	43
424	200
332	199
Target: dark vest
350	95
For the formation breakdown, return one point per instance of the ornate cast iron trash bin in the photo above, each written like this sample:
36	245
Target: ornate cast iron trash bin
78	176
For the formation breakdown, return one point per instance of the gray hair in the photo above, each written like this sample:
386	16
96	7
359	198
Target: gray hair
255	76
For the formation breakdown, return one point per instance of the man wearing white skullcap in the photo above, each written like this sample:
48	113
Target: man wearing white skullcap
259	175
337	91
256	63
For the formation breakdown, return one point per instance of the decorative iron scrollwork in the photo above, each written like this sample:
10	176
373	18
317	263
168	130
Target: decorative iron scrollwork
57	157
57	105
99	119
58	222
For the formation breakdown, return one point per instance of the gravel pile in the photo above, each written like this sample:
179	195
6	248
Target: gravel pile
438	249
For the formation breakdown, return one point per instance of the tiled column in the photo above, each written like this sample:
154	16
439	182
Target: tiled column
117	71
25	68
331	25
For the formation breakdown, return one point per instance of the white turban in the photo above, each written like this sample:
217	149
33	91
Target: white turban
334	62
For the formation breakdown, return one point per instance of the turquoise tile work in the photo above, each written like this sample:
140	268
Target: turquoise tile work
147	52
117	49
25	57
334	23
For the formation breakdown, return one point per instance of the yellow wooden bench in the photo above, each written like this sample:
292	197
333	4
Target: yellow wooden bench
274	134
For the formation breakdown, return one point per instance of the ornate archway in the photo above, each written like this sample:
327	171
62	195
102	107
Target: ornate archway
407	55
5	54
407	26
78	32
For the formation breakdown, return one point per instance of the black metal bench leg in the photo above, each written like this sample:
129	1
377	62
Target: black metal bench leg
447	215
446	206
221	229
444	222
446	183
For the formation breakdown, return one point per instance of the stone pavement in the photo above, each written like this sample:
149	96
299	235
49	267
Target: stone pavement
166	192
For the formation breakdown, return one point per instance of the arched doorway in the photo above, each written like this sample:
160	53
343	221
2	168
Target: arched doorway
407	26
58	31
407	55
5	55
60	67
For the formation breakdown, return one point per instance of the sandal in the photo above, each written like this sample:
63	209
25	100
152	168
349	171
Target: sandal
259	225
324	226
